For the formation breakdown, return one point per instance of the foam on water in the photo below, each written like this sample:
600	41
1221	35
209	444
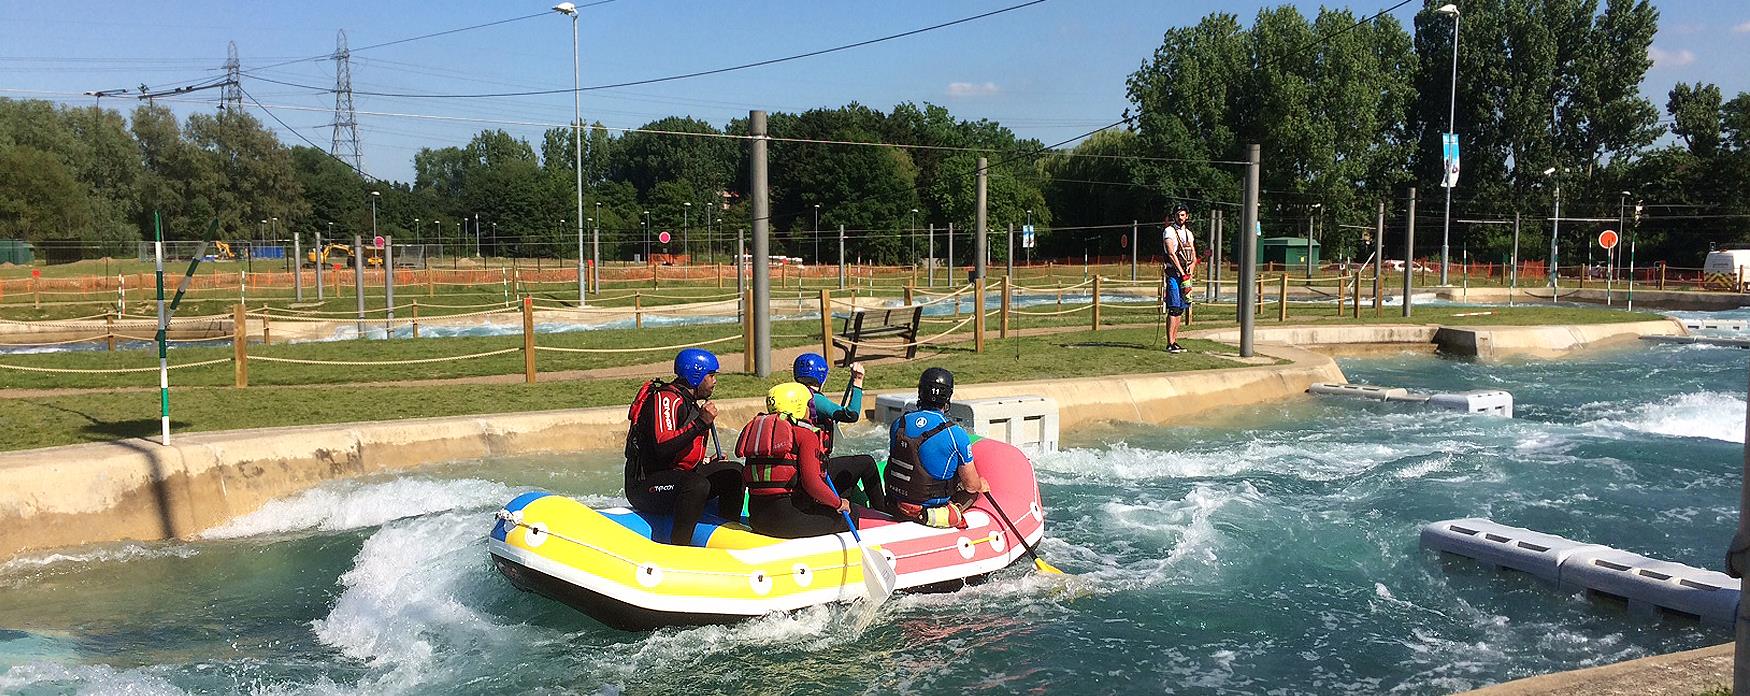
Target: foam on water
18	569
84	680
1708	414
356	505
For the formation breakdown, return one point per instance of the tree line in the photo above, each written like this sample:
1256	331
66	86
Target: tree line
1348	113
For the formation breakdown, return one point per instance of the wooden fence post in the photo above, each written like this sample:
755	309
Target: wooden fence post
109	330
653	278
826	324
239	345
908	295
747	360
638	310
1282	297
1661	276
430	282
1003	322
978	316
529	340
1355	305
1096	303
36	292
1342	292
416	318
266	330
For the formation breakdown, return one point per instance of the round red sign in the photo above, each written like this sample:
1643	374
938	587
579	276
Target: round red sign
662	237
1607	239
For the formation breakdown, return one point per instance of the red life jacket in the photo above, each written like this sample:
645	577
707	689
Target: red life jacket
659	403
768	449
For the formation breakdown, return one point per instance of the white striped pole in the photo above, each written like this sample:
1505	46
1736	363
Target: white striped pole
163	333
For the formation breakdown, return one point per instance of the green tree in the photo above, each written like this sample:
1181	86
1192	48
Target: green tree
40	200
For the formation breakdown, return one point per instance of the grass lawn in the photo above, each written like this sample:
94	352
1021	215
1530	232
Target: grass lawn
41	422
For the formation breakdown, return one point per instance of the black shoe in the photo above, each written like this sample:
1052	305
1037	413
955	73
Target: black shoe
1175	348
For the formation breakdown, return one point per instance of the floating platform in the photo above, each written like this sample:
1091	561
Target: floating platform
1701	340
1491	402
1644	584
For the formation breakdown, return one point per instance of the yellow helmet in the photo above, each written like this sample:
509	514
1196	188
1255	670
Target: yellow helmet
791	399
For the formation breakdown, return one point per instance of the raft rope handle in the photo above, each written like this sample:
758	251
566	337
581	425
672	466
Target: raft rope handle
507	517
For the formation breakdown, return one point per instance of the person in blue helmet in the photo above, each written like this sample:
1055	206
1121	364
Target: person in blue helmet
667	469
810	370
931	478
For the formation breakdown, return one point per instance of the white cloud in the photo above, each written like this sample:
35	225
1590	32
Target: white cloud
1670	59
1742	28
972	89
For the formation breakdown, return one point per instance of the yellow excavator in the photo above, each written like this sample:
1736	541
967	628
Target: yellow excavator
222	252
342	254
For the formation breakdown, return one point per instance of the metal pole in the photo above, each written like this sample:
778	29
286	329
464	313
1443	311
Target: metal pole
595	270
319	258
1555	232
932	254
1514	272
762	272
297	266
358	279
740	253
163	335
841	257
1135	242
1410	252
1737	558
1451	127
1631	274
950	254
1309	247
388	287
1214	258
1249	253
1217	251
1009	271
1379	260
979	243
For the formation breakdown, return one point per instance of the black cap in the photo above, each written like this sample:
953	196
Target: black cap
935	387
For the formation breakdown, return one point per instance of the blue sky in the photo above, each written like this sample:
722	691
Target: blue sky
1050	71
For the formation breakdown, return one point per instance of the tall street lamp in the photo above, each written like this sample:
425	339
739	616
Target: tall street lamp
374	196
596	255
570	10
817	234
647	236
686	224
1451	127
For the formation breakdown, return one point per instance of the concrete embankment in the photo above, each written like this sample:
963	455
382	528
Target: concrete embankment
1645	298
135	489
1684	673
1483	342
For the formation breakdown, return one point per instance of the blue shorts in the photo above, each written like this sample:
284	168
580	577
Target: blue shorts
1176	300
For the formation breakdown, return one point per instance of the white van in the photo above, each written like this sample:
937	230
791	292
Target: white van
1733	263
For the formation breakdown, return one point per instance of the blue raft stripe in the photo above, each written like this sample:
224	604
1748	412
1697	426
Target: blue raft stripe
499	528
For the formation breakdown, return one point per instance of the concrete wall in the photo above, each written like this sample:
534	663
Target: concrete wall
1645	297
1547	341
136	489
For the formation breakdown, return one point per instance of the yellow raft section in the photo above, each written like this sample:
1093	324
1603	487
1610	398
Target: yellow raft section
735	564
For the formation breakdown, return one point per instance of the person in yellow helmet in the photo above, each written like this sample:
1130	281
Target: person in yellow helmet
786	474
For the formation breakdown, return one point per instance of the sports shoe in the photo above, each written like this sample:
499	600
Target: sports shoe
1175	348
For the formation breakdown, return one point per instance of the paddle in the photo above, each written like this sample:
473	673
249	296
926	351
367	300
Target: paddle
1038	562
878	577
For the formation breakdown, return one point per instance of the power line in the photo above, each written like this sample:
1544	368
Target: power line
307	141
683	76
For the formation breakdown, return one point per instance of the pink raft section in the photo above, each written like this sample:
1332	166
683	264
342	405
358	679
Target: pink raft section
924	556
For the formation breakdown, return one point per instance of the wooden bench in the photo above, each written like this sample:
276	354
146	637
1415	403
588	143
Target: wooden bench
863	324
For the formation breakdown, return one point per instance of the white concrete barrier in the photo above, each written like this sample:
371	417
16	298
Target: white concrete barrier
1027	422
1489	402
1645	584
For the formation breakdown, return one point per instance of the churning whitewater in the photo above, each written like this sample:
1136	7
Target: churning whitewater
1269	549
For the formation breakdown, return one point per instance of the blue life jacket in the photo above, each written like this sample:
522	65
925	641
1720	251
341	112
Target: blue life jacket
926	452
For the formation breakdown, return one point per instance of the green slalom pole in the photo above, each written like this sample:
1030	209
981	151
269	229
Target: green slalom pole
163	334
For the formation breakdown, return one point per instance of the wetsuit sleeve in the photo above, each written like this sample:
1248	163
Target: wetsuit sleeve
962	444
831	410
676	429
811	469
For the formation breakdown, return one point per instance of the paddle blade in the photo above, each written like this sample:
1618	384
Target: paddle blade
878	577
1046	568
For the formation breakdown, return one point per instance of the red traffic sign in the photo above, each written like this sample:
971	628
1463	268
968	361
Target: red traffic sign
1124	241
662	237
1607	239
377	241
36	272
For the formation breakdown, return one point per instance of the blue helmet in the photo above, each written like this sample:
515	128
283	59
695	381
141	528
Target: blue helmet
810	369
691	365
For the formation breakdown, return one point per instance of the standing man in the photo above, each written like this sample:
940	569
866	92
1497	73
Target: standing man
1181	261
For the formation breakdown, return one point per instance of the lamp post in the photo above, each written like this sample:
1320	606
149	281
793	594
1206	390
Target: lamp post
1029	226
817	234
1451	127
647	236
1309	238
374	196
570	10
686	224
596	255
1555	230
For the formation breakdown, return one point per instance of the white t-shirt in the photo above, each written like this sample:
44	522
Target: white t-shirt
1177	239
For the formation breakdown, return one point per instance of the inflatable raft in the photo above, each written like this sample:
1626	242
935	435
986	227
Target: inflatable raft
605	564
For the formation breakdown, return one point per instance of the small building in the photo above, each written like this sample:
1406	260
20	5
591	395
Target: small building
1287	250
16	252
